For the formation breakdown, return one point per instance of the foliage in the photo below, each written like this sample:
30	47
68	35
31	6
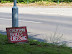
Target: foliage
32	47
33	1
5	1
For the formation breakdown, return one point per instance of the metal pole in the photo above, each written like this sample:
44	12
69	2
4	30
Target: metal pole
15	15
27	1
58	1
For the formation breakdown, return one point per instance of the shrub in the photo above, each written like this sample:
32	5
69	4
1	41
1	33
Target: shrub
32	1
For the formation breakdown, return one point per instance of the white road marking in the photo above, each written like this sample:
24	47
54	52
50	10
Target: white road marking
30	21
21	20
5	19
57	21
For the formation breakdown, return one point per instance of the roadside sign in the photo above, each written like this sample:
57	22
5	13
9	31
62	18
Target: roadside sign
17	34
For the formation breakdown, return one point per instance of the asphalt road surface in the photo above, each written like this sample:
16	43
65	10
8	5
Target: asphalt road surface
41	26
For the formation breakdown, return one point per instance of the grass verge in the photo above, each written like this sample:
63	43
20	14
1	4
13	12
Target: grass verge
32	47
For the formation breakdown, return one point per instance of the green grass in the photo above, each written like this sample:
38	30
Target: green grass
32	47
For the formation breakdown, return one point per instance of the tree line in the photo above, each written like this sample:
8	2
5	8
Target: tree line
32	1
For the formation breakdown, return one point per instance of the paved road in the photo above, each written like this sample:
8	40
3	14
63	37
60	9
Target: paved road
41	25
